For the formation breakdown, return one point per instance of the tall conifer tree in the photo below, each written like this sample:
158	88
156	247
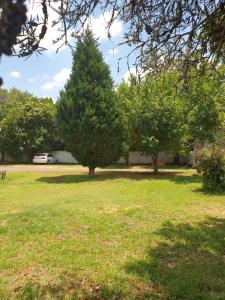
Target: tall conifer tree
88	114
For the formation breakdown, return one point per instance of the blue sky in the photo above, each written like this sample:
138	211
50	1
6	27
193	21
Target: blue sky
45	75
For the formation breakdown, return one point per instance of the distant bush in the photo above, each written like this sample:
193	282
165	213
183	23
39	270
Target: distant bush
212	164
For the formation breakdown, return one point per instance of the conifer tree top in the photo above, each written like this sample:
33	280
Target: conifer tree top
88	63
88	113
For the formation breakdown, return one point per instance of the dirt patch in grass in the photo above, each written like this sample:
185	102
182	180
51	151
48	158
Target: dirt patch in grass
26	275
67	286
113	210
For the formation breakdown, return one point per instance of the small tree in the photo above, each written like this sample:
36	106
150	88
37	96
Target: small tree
212	165
203	105
129	99
3	99
28	126
161	115
88	114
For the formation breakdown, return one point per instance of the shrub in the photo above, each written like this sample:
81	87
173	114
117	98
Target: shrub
212	164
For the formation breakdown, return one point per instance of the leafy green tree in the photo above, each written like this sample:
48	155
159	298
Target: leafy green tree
3	99
28	126
40	127
204	101
129	99
160	117
212	164
88	114
204	108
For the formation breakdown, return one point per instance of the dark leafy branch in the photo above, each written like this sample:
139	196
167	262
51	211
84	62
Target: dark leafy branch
187	30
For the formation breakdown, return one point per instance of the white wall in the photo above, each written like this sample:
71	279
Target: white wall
7	158
140	158
64	157
135	158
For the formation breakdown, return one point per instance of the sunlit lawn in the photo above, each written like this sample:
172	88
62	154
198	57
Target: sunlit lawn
121	235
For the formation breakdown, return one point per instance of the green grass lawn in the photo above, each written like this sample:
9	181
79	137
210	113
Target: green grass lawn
117	236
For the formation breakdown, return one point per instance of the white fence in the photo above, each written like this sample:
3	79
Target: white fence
135	158
64	157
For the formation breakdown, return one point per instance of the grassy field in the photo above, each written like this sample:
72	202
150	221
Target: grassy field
120	235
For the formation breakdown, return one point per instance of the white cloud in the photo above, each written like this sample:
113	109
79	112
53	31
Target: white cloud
137	72
15	74
130	72
62	76
113	52
58	80
38	77
53	32
99	26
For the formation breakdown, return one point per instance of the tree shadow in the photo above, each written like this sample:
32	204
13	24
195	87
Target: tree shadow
67	179
68	287
177	177
209	193
187	263
183	179
112	175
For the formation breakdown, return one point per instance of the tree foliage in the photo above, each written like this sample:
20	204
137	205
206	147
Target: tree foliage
160	118
154	110
204	104
12	19
88	114
129	100
27	125
212	164
171	29
167	114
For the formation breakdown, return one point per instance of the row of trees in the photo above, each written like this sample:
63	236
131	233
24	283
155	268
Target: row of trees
27	124
162	112
168	114
98	123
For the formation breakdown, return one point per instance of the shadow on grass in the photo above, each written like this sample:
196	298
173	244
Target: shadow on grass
188	262
210	193
69	287
176	176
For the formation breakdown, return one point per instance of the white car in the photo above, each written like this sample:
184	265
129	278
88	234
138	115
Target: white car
44	158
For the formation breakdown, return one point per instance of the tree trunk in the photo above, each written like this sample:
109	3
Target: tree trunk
3	157
176	159
197	149
30	156
91	172
127	160
155	161
199	171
